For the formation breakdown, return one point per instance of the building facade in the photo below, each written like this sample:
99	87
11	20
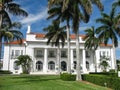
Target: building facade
44	57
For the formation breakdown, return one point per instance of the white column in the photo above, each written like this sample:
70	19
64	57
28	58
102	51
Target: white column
112	59
97	60
84	61
45	61
72	64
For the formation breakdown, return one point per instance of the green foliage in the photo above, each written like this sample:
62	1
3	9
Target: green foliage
1	65
104	63
67	77
112	70
111	82
25	62
5	72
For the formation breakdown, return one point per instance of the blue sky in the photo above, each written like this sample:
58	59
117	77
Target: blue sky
37	10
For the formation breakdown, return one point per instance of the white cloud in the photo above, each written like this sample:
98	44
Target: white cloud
35	17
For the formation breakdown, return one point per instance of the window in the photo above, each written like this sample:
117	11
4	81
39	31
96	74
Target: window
63	66
17	53
39	53
87	65
51	53
16	67
87	54
51	65
104	53
74	54
75	64
12	54
39	65
63	54
21	52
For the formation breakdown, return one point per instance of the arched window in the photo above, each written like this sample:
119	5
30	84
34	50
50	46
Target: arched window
39	65
51	65
87	65
16	67
63	66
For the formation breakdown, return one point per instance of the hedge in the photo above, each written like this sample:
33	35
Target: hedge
110	82
5	72
67	77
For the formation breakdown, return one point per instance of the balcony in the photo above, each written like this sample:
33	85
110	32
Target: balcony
63	56
39	56
51	56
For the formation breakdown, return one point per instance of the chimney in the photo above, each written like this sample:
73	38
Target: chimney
29	29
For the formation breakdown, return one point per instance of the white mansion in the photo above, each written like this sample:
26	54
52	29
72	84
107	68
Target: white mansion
44	57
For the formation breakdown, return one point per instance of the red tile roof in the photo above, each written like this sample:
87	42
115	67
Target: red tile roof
40	35
72	36
16	42
106	45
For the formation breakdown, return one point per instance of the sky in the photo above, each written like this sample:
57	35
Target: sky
37	10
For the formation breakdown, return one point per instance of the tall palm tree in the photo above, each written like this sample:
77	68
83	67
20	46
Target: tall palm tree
91	43
9	33
8	7
116	4
56	36
82	9
108	29
66	15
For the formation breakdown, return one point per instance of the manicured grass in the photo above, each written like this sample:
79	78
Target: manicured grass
27	82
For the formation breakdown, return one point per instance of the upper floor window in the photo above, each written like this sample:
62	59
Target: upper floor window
39	53
51	53
74	54
63	54
21	52
16	53
87	54
104	53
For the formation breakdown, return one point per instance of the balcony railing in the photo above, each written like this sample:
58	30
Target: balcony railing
51	56
39	56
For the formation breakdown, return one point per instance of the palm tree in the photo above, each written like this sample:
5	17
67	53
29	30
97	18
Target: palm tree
91	42
108	29
25	62
9	33
116	4
81	11
56	36
104	63
66	15
9	7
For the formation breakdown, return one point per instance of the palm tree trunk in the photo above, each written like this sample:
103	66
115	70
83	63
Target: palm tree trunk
58	60
0	48
0	15
0	29
114	57
94	59
78	76
68	42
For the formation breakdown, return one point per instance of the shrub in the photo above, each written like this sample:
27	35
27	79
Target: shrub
112	70
111	82
67	77
111	73
5	72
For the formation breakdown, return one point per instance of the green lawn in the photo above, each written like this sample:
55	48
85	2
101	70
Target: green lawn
27	82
